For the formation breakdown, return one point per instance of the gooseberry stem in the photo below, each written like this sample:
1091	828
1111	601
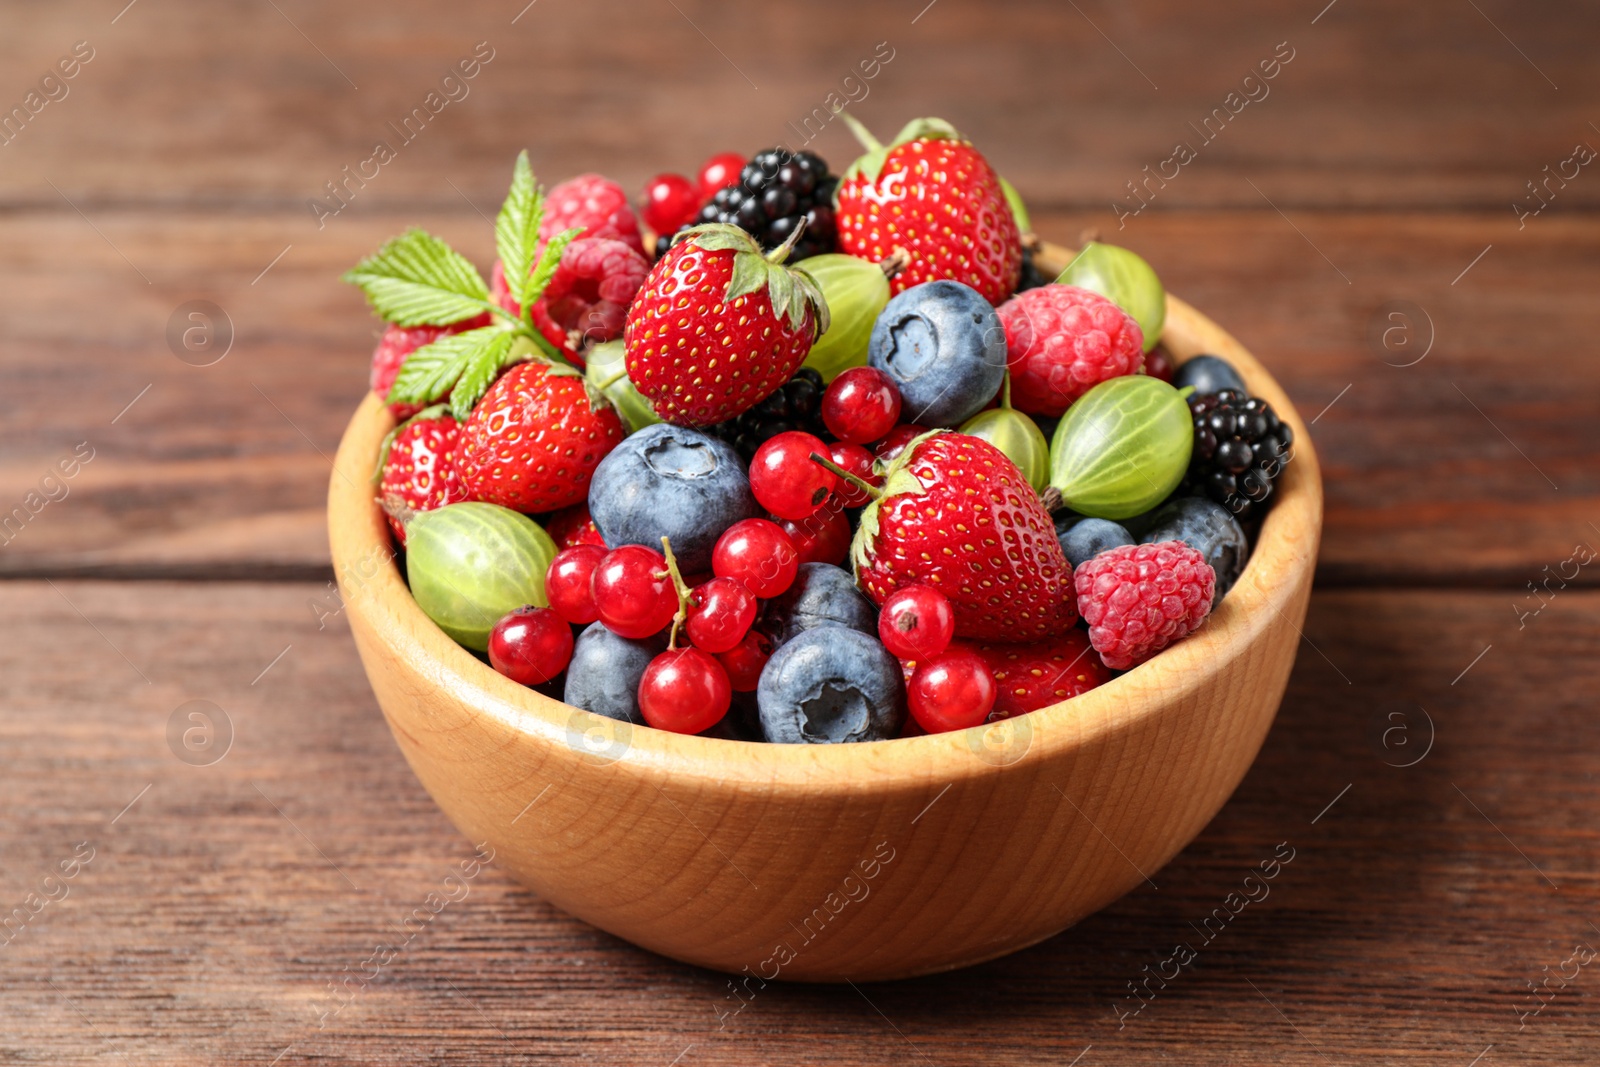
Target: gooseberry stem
1051	498
894	262
865	486
397	509
678	585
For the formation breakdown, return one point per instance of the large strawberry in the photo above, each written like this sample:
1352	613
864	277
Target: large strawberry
719	325
1033	676
532	443
955	513
415	464
932	194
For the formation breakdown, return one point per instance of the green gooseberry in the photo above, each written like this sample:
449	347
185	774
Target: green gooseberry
1015	434
605	369
1125	279
1122	447
470	564
856	291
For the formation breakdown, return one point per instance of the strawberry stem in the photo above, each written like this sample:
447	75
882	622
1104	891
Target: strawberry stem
682	589
865	486
781	253
862	134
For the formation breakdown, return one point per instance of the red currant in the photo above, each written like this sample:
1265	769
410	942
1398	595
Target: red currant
744	661
719	172
916	622
857	461
861	405
897	439
670	200
1158	364
759	554
720	613
569	583
785	480
530	645
952	692
821	537
633	593
684	690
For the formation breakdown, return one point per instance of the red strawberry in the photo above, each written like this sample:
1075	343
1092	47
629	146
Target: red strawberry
1030	677
416	466
397	343
955	513
573	526
535	438
718	326
932	194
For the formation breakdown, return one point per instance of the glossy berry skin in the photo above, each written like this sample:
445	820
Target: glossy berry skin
632	592
895	441
944	348
857	461
916	622
534	440
822	595
569	583
530	645
939	199
684	690
861	405
1043	673
1139	599
1208	374
1087	538
745	661
670	200
758	554
1158	364
821	537
958	515
419	470
720	614
952	691
603	676
1062	341
718	172
831	685
784	479
573	526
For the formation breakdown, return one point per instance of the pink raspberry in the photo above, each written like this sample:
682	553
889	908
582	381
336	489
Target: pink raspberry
1138	599
1061	341
591	289
397	343
596	205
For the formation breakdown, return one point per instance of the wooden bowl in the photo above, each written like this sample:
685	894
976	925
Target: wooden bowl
834	862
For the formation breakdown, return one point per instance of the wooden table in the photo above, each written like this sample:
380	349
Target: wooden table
1432	766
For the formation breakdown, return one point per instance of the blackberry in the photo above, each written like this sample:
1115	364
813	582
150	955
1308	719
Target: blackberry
776	190
1031	278
797	405
1240	449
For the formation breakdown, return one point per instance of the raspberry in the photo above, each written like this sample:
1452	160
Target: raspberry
1138	599
500	294
1061	341
591	289
399	342
596	205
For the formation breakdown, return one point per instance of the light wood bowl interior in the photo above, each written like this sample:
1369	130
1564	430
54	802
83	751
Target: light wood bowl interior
827	863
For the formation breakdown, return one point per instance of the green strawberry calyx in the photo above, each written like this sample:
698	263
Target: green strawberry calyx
870	165
791	289
898	480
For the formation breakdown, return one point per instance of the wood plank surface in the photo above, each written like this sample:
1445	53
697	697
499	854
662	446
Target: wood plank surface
221	903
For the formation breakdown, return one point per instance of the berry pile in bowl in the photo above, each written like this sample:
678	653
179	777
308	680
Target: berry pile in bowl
850	461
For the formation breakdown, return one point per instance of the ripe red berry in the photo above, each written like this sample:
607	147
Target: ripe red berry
821	537
896	440
530	645
684	690
916	622
759	554
784	479
569	583
951	692
670	200
858	461
744	661
720	613
719	172
633	593
861	405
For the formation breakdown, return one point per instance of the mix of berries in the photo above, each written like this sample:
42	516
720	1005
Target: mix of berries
629	484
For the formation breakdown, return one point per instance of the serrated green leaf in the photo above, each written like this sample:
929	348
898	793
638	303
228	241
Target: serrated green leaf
549	260
516	228
433	370
480	371
418	280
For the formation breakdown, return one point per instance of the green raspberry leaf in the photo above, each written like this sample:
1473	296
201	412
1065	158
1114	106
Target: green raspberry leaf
516	228
418	280
481	369
435	369
536	282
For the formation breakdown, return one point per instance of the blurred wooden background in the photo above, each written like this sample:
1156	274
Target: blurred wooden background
1355	224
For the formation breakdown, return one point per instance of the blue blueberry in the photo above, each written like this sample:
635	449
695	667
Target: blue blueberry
1208	528
822	595
604	674
1088	538
831	685
943	345
1208	374
670	481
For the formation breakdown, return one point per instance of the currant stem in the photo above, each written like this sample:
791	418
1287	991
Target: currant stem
865	486
682	589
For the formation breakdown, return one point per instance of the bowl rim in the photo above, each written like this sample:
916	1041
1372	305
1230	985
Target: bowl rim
1281	561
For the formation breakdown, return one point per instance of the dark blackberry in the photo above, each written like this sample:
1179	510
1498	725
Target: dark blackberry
1240	449
776	190
1031	277
797	405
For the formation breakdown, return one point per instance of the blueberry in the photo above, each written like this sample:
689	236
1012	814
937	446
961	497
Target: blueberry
1208	374
673	481
831	685
1211	530
1088	538
822	595
943	345
604	674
